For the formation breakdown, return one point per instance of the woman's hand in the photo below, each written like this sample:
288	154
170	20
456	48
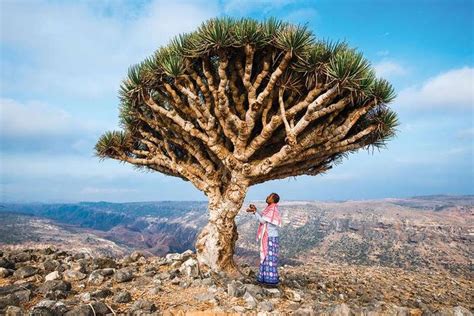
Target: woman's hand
251	209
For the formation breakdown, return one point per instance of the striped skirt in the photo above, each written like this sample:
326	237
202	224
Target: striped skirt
268	271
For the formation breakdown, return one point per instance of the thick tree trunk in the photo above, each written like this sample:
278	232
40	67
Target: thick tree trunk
215	244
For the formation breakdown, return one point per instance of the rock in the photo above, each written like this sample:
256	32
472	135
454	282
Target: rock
190	268
122	297
71	275
156	290
235	288
143	306
340	310
94	308
55	285
461	311
50	265
100	308
14	311
204	297
294	296
253	289
8	300
186	255
96	278
239	309
102	293
123	275
136	255
21	257
272	292
46	303
102	263
305	312
85	297
25	272
265	306
173	257
80	266
107	271
81	310
5	272
11	289
175	264
23	296
7	264
42	311
294	306
52	276
250	300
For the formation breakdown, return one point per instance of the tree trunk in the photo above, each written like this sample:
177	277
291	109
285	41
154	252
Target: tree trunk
215	244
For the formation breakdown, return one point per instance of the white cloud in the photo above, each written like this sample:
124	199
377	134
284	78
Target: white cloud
453	89
389	68
38	119
467	133
74	49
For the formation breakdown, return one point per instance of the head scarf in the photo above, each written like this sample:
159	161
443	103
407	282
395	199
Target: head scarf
271	215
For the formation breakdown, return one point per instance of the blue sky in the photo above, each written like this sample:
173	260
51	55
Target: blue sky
62	63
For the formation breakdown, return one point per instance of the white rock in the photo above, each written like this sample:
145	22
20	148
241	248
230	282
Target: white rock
173	257
251	301
52	276
190	268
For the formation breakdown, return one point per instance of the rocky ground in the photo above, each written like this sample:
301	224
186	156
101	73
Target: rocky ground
54	282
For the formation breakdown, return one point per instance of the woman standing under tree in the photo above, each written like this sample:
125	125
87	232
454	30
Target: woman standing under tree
267	233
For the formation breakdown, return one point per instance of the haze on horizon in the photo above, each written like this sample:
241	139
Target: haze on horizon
61	70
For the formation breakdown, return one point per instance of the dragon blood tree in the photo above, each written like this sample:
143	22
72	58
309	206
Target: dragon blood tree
241	102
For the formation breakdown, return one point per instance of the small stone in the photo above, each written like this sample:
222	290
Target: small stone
5	273
7	264
55	285
461	311
123	275
273	292
102	263
186	255
250	300
190	268
173	257
25	272
96	278
235	288
265	306
107	271
102	293
341	309
52	276
239	309
122	297
50	265
14	311
23	296
71	275
143	306
204	297
304	312
156	290
8	300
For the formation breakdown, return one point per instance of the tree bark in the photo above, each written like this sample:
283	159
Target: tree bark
215	244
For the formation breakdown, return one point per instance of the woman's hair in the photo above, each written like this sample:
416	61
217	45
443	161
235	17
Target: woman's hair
275	197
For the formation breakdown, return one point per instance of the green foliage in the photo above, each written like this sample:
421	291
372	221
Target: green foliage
112	143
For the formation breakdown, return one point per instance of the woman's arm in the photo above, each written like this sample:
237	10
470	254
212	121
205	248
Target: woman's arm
259	217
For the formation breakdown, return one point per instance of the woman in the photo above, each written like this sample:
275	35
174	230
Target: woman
267	233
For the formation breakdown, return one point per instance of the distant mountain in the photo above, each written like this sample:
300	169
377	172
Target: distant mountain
432	232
